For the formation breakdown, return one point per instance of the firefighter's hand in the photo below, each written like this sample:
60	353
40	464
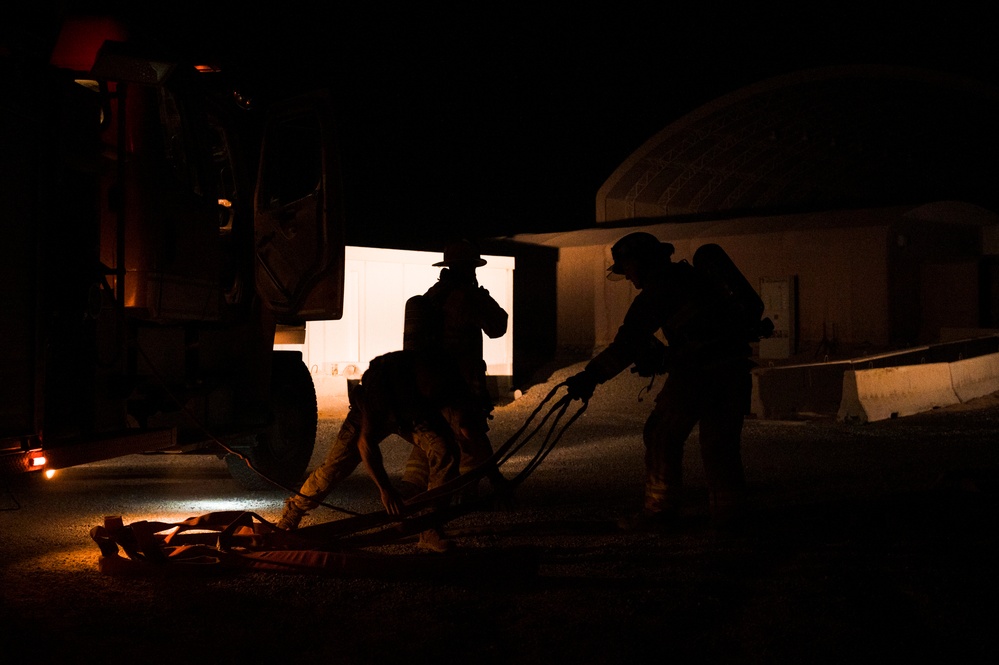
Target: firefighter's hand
392	501
581	386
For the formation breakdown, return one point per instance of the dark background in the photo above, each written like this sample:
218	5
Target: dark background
489	119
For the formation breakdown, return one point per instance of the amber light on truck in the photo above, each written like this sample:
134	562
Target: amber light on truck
38	461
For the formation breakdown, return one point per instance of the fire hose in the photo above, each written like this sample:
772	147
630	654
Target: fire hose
437	506
244	540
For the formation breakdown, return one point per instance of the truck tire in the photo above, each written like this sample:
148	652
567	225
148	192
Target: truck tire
281	453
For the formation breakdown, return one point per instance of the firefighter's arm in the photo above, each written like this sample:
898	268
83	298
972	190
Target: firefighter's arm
638	327
492	317
371	455
606	365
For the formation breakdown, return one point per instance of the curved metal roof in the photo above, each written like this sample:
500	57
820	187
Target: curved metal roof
817	140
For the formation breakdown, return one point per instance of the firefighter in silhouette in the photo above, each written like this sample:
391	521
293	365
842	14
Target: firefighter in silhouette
708	318
403	393
447	323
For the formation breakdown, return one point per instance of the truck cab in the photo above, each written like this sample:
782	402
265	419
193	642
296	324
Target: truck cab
161	229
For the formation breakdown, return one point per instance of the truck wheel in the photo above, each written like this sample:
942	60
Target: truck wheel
282	451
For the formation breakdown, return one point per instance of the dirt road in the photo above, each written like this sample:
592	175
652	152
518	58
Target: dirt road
868	543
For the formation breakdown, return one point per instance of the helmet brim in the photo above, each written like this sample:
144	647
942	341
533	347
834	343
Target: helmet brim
475	263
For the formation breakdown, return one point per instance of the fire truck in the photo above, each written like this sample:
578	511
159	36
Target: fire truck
160	233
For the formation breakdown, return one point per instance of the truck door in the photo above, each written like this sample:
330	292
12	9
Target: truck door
298	213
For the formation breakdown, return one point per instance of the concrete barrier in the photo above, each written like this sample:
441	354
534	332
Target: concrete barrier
796	391
975	377
891	392
819	390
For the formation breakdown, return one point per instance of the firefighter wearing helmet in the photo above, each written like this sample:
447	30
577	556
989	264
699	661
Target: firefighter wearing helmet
707	362
405	393
448	322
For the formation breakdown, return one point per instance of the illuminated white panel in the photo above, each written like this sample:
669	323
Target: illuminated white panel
383	308
332	347
377	283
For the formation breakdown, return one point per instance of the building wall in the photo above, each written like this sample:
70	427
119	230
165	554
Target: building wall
913	244
578	292
856	288
841	275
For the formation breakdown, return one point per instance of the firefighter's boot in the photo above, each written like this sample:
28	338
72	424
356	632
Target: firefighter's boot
434	541
291	516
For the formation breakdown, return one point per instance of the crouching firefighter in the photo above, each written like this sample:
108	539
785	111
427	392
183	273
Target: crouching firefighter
708	314
402	393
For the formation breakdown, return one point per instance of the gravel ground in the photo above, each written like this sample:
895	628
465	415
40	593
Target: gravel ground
867	543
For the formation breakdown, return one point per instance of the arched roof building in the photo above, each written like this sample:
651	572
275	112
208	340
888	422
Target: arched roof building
867	195
827	139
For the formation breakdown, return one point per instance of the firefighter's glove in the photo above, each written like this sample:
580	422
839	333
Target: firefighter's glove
580	386
652	359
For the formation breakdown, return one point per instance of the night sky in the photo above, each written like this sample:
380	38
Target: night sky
484	120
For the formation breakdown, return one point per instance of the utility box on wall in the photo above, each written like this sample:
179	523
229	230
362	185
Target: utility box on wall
780	297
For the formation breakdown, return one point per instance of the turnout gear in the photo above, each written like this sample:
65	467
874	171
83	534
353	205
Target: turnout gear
401	393
434	541
291	517
447	323
652	359
708	314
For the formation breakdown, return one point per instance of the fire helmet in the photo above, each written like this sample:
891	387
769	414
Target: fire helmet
643	249
462	252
